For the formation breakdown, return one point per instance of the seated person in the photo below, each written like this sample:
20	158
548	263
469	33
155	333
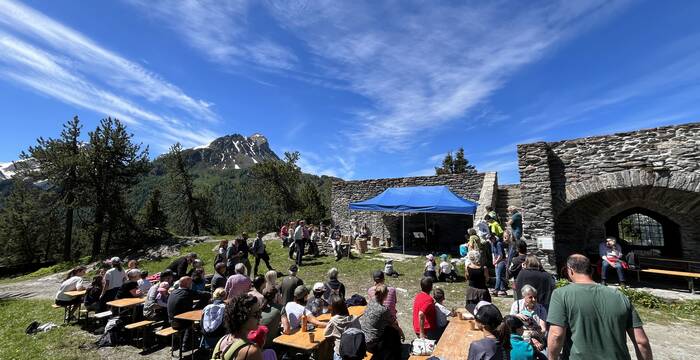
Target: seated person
340	321
317	304
156	306
520	348
430	268
198	282
92	295
447	270
241	317
72	282
389	268
294	310
259	338
213	319
219	278
129	289
271	315
533	315
441	311
611	255
181	300
144	283
496	338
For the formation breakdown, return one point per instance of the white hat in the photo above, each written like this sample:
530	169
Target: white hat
115	260
319	287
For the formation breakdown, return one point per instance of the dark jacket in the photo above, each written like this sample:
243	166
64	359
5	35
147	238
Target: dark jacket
124	291
515	266
289	283
542	281
180	301
334	287
218	281
179	267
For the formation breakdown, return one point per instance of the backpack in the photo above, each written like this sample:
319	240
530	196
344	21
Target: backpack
231	352
113	335
356	300
352	344
212	317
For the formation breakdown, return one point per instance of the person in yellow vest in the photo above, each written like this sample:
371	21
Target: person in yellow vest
494	226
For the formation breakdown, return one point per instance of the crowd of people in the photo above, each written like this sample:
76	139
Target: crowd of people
243	311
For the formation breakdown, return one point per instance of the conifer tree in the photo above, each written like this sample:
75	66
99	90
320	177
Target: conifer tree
461	164
447	165
153	215
182	191
277	182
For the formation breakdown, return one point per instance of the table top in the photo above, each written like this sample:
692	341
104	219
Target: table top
124	303
455	341
194	315
75	293
353	310
300	340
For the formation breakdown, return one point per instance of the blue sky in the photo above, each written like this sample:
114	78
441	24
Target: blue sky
361	89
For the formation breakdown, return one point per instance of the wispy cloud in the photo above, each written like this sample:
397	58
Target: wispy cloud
336	166
52	59
422	172
511	148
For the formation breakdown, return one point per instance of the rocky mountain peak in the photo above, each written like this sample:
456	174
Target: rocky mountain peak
233	151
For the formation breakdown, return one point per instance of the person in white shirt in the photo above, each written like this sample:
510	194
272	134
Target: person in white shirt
294	310
113	280
72	282
447	270
143	282
441	311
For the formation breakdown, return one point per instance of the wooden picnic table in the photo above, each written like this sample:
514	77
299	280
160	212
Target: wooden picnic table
76	293
455	341
194	315
125	303
301	339
353	310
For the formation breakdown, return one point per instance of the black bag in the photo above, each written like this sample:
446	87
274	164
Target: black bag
352	344
356	300
114	334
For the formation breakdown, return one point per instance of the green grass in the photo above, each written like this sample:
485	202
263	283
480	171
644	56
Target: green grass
59	343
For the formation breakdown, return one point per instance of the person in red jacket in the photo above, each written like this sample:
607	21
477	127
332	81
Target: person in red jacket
424	317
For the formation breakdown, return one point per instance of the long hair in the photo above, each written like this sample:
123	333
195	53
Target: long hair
74	271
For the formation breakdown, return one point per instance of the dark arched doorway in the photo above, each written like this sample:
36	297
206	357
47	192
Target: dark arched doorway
646	232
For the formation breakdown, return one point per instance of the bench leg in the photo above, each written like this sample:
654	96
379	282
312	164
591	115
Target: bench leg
691	285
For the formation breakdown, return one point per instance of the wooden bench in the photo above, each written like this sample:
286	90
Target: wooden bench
141	325
169	331
103	315
687	275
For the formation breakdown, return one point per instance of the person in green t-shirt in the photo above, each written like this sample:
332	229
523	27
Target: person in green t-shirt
593	319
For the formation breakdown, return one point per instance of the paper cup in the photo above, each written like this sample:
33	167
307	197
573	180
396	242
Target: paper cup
311	336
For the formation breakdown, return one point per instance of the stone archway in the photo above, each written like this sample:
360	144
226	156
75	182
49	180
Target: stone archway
581	223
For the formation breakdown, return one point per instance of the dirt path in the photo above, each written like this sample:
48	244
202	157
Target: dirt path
41	288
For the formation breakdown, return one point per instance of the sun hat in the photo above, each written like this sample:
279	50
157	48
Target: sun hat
319	287
443	256
115	260
430	257
300	292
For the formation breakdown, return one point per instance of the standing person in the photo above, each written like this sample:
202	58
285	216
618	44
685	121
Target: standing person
299	241
334	286
221	252
341	320
238	283
241	316
336	237
72	282
491	213
477	277
260	253
596	319
496	342
499	264
233	257
533	275
424	317
179	265
292	245
482	229
494	227
510	247
284	234
272	288
611	255
390	299
289	283
516	263
244	251
114	278
383	335
515	222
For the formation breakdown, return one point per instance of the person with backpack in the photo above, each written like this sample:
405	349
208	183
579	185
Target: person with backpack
340	322
240	317
260	253
213	319
334	286
383	335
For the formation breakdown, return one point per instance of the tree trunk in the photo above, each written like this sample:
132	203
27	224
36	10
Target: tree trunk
193	213
68	235
97	235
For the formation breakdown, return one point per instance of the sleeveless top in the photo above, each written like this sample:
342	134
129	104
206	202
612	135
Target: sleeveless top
231	352
476	278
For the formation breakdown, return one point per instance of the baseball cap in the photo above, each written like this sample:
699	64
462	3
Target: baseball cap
115	260
489	315
473	308
378	275
319	287
300	292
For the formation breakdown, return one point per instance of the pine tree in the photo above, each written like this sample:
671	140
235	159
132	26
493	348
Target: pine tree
447	165
461	164
310	203
153	215
58	163
277	183
182	190
114	165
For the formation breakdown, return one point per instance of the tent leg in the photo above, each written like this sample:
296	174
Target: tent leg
425	223
403	232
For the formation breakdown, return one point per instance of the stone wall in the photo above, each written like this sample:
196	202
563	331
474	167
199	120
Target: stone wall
556	176
468	186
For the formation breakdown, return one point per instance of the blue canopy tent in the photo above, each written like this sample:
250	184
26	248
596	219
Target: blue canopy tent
416	199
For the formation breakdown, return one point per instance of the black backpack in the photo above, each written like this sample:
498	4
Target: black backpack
352	344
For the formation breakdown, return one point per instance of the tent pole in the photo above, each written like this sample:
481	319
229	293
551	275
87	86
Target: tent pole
425	223
403	232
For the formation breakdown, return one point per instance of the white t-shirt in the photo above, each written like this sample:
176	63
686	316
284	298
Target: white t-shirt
144	285
72	284
294	312
115	278
429	266
441	314
445	267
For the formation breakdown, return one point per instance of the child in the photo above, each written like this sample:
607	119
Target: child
520	348
389	268
447	270
430	268
442	312
144	284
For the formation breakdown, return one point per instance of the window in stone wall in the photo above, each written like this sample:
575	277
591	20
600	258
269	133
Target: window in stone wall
641	230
